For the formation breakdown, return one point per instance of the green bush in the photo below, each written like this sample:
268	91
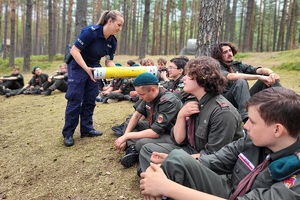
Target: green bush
290	66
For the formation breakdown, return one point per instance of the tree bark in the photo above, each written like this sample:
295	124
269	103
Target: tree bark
12	33
210	24
27	41
145	33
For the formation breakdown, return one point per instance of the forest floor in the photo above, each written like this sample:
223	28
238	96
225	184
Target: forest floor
35	164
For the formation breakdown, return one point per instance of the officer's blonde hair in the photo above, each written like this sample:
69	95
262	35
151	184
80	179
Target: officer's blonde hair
106	15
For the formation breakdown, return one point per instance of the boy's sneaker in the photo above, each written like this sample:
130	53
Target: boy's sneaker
99	99
47	92
112	100
131	157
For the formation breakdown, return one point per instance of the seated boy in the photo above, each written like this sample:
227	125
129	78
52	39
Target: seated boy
262	165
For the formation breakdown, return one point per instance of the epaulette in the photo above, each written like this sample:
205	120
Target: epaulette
222	104
94	27
163	99
236	62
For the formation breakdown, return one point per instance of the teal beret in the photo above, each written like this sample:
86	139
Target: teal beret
284	167
33	70
145	79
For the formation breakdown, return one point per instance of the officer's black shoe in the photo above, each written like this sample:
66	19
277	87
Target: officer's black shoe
91	133
69	141
131	157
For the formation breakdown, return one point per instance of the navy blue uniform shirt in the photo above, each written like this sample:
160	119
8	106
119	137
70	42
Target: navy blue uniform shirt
94	46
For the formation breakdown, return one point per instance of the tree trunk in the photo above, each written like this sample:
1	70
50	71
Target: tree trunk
280	42
154	28
50	31
145	33
4	43
233	22
182	25
81	13
166	52
27	41
122	42
134	40
69	40
12	33
275	25
249	26
210	24
63	28
226	24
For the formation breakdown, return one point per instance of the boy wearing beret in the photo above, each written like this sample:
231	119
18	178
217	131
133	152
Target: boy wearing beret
159	108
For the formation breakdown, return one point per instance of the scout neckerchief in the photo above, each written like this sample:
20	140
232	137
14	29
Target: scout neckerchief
245	184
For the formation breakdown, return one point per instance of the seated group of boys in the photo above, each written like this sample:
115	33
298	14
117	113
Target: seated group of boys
40	83
190	142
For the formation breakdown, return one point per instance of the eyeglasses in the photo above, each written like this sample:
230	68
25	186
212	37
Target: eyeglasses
171	67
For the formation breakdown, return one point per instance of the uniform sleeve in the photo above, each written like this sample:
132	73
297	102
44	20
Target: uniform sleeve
287	189
84	39
248	69
224	160
166	112
224	125
141	108
225	73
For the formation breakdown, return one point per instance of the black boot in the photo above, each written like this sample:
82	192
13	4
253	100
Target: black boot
131	157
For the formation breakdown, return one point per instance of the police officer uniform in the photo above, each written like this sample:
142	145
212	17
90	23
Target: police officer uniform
280	180
217	124
82	91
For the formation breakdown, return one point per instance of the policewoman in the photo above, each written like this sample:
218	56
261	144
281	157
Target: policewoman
94	42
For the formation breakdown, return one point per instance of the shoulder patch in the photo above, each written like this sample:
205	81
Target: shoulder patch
290	182
160	118
94	27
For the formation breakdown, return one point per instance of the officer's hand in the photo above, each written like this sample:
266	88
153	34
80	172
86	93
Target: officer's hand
90	72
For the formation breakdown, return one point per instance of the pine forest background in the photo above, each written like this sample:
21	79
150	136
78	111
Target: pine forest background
152	27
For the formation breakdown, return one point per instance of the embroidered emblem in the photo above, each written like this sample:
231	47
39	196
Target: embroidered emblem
246	161
148	107
160	118
107	57
163	99
290	182
223	105
181	85
178	90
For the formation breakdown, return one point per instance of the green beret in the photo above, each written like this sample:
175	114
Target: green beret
145	79
33	70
